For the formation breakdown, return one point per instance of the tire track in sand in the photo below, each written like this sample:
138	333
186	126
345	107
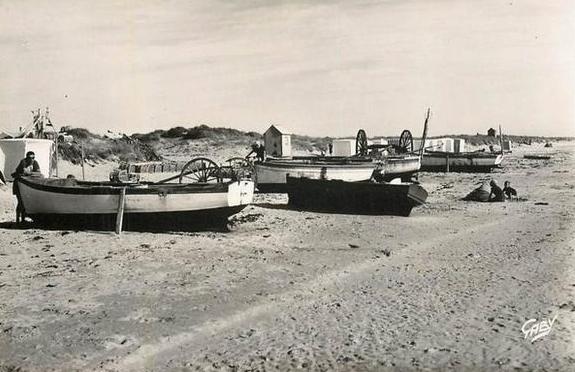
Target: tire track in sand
146	354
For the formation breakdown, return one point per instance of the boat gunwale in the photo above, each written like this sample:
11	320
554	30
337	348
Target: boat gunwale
131	189
296	164
467	155
407	186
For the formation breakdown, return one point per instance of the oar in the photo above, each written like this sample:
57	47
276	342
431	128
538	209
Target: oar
120	215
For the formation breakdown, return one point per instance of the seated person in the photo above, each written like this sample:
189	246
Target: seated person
496	194
509	191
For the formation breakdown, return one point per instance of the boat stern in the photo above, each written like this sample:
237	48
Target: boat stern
240	193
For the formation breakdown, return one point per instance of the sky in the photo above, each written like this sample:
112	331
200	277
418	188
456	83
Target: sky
322	68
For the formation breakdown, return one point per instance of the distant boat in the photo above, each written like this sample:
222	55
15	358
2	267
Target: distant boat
440	161
71	202
355	197
537	157
271	174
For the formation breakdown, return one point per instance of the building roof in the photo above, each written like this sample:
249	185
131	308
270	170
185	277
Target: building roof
278	129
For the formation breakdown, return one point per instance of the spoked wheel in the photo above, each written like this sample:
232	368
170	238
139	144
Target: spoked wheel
238	168
201	170
405	142
361	143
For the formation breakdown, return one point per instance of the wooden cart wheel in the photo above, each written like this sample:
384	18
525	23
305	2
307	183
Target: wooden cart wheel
361	143
239	168
405	142
201	170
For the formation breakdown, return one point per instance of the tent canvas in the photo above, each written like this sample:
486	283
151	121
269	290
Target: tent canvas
14	150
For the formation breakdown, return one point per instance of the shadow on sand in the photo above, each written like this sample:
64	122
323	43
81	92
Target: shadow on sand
165	227
347	210
275	206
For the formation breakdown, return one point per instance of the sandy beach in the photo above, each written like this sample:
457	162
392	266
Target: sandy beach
447	288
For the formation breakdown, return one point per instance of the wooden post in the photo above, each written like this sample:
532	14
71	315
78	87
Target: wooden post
500	139
120	215
82	161
447	163
56	149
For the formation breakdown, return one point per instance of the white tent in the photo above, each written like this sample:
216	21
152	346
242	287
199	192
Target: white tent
12	151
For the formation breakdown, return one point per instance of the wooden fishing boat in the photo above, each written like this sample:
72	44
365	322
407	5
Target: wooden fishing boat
404	167
355	197
271	174
72	202
439	161
369	162
398	158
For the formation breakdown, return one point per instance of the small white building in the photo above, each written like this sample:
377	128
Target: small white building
277	142
448	144
433	145
343	147
13	150
443	144
458	145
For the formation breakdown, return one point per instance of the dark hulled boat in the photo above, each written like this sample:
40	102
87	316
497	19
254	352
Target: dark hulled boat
355	197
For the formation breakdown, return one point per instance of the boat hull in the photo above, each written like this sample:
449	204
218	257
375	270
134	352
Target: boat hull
537	157
398	167
460	162
165	221
355	197
271	175
52	202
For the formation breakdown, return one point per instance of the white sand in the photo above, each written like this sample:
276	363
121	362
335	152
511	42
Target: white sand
287	289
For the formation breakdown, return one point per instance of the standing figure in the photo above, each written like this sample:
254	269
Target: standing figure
259	150
25	168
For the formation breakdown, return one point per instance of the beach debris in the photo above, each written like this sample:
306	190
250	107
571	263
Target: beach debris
386	252
569	306
353	245
445	186
541	203
251	217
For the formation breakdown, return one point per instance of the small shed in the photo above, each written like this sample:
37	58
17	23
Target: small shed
506	146
13	150
448	145
458	145
277	141
343	147
436	144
